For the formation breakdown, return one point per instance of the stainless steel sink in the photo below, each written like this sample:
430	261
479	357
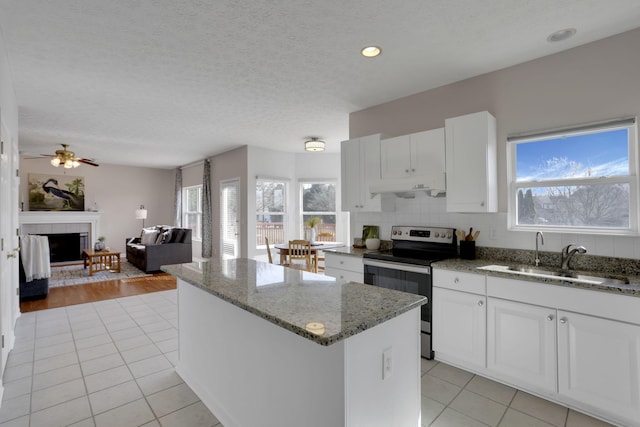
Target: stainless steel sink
570	275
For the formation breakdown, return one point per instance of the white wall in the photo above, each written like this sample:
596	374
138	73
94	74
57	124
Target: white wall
118	191
589	83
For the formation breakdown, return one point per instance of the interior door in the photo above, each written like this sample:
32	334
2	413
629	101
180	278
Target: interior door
8	244
230	218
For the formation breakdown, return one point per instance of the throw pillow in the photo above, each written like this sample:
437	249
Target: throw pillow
163	237
180	235
149	237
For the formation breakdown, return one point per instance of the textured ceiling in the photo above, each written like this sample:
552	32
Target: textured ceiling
169	82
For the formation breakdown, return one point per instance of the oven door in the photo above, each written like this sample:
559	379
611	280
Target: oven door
415	279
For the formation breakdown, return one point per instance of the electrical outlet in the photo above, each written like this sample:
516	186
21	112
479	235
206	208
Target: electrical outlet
387	363
492	233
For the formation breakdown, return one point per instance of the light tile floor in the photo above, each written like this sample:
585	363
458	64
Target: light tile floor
108	363
111	363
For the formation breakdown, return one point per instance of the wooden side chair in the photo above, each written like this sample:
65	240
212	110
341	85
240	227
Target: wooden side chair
300	255
266	240
324	236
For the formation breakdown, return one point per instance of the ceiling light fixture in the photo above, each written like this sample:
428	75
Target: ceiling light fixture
314	144
371	51
561	35
67	159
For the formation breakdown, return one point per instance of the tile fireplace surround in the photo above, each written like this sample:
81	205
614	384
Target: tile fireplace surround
50	222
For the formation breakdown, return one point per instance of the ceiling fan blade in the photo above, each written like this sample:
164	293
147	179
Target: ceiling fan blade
88	162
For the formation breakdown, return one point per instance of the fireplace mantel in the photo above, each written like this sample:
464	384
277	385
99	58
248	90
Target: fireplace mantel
58	217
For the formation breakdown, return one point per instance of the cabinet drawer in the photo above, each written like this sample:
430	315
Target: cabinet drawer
458	281
347	276
344	262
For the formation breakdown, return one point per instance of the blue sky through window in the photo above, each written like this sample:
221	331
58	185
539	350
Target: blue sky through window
599	154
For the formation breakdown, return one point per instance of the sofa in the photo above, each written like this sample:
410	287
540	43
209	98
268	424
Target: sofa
159	245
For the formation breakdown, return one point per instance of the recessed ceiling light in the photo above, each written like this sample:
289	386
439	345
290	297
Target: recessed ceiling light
561	35
371	51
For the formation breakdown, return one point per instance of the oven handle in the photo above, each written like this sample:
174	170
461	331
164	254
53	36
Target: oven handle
422	269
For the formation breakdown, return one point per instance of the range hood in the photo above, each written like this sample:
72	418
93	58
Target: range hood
433	185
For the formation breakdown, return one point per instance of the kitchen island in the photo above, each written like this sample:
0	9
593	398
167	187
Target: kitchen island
264	345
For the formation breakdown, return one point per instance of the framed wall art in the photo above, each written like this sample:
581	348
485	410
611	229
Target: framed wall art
56	192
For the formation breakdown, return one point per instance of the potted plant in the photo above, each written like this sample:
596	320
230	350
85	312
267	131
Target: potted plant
370	234
99	245
312	223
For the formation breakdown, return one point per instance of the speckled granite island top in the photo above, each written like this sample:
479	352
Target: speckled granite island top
486	267
294	299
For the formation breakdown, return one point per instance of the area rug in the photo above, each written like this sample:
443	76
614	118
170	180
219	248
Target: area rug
78	275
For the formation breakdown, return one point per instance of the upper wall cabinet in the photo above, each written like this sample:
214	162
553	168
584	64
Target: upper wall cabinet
471	163
361	166
417	154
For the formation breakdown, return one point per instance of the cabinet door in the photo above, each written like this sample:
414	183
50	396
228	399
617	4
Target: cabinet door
351	177
471	163
459	327
427	152
370	171
395	157
599	364
521	343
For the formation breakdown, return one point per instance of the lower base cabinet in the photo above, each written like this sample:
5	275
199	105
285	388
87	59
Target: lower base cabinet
344	267
521	343
459	327
576	347
586	342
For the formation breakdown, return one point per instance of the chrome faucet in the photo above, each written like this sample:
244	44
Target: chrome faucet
568	254
539	236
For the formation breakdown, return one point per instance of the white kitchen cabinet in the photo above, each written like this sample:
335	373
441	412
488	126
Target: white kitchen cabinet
361	166
459	327
414	155
521	343
599	364
344	267
471	163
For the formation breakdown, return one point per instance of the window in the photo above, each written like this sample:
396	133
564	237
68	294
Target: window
271	213
319	201
192	214
577	180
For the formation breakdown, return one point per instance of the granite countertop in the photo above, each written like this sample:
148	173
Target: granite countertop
350	250
292	299
499	268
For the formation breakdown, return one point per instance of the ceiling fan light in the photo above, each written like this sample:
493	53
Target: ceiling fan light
55	162
68	164
314	145
76	163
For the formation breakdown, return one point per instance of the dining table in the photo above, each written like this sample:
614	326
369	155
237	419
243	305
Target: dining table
283	249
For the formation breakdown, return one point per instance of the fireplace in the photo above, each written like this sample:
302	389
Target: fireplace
69	232
67	246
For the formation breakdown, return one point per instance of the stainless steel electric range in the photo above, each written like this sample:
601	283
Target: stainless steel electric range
407	267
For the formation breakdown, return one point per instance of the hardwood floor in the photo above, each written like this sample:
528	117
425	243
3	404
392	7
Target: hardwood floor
70	295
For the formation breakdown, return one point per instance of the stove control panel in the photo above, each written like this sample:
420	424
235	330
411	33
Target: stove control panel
423	234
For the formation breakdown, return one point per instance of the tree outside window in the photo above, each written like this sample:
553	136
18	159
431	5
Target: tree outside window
192	214
319	200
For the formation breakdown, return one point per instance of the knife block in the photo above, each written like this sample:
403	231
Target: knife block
468	249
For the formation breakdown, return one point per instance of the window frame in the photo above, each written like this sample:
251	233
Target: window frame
285	209
631	179
196	235
302	213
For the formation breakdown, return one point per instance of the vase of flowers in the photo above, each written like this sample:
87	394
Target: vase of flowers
312	224
100	244
371	236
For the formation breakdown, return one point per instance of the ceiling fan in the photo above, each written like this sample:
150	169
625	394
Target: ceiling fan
68	158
